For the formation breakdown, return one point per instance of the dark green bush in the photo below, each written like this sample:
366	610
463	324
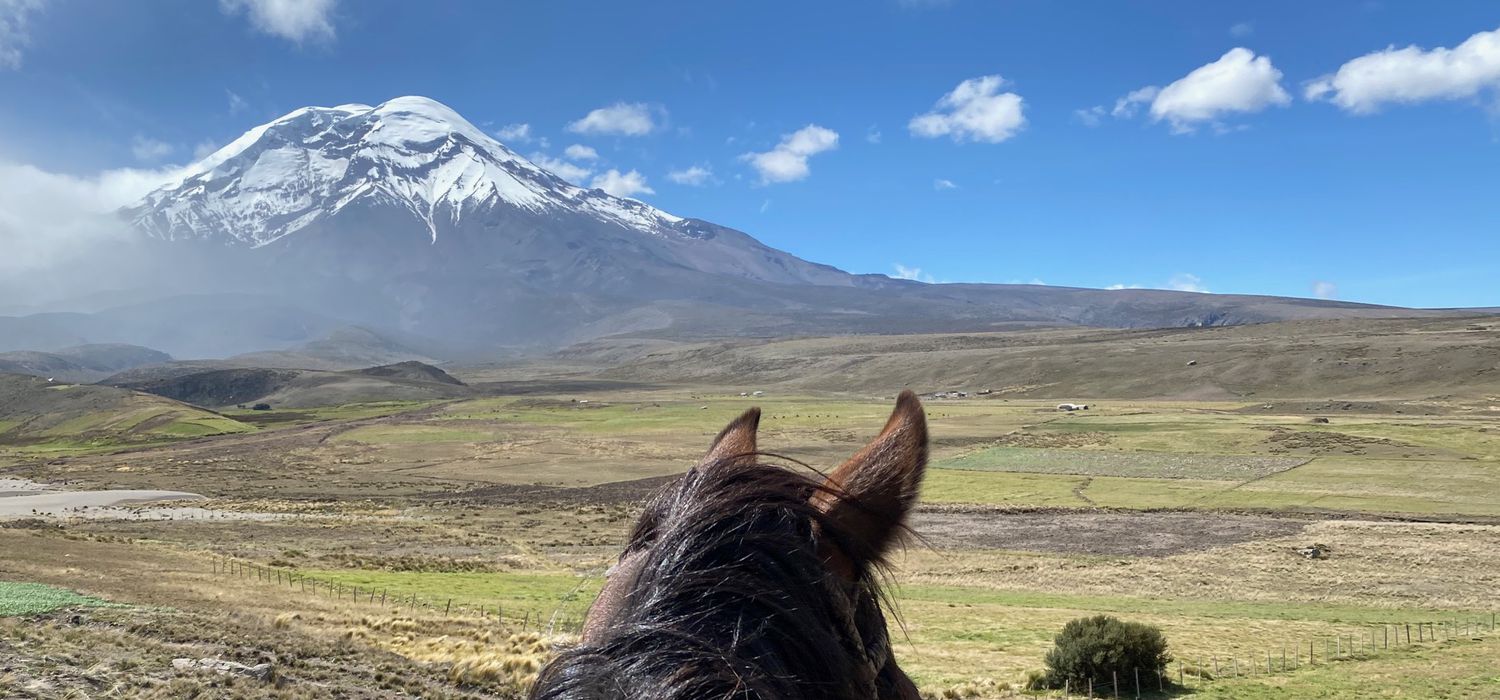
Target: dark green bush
1095	649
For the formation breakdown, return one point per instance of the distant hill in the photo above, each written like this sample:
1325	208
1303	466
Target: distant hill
36	411
1438	359
415	371
296	388
81	363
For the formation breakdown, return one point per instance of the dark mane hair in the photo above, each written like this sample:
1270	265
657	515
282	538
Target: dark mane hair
734	600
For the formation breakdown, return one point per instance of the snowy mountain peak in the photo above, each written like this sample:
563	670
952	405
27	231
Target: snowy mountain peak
412	154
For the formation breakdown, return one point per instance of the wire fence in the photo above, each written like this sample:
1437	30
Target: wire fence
1183	674
558	620
1186	673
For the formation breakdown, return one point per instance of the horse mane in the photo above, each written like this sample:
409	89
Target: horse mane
734	600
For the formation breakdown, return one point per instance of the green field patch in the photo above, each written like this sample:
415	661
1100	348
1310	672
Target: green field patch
1465	487
1002	488
1126	464
1303	612
18	599
539	595
1462	670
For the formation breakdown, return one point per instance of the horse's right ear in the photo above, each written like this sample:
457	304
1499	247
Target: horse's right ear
871	494
736	442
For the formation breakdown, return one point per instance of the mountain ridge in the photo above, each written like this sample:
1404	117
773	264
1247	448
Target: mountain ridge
406	219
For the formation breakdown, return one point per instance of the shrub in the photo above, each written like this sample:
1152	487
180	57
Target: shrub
1095	649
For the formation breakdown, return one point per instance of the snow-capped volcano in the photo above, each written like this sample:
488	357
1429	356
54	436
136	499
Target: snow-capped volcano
405	217
412	153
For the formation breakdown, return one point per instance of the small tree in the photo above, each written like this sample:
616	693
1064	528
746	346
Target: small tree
1097	649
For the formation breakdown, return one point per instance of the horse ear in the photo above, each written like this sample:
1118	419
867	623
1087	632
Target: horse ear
736	442
870	494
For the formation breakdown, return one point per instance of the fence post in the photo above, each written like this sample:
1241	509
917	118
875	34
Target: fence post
1137	672
1116	676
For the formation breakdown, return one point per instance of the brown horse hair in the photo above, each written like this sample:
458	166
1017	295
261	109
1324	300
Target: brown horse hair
735	600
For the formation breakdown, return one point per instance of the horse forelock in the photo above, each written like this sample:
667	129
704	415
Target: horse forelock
733	599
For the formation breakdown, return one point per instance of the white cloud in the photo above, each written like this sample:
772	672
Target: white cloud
765	206
943	184
695	176
1090	117
580	152
976	110
237	104
624	119
1238	82
872	134
622	184
47	217
1184	282
149	150
911	273
787	162
1241	30
1325	290
571	172
1127	106
15	34
1413	74
1117	287
514	133
294	20
204	149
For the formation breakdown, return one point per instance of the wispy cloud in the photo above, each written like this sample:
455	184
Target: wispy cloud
15	30
294	20
1090	117
237	104
514	133
1325	290
1240	30
149	150
694	176
572	172
627	184
46	217
941	184
1412	74
580	152
911	273
787	162
1186	282
620	119
976	110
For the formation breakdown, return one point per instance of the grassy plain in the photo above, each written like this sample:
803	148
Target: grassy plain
519	501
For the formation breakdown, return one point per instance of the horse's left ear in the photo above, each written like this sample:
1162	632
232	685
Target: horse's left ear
736	442
871	494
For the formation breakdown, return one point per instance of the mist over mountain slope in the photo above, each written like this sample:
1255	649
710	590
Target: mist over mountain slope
406	219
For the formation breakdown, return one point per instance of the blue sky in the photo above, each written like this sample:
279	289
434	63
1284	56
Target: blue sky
1256	165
